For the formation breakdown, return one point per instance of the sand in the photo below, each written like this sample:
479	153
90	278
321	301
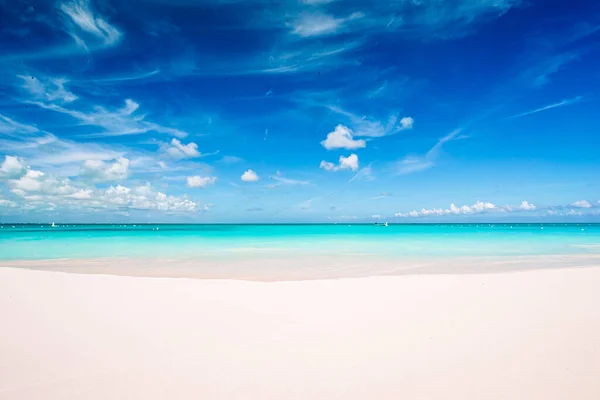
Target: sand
525	335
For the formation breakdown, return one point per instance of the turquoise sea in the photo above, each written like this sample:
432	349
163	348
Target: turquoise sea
189	241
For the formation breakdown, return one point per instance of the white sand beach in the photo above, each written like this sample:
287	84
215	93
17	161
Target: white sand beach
531	335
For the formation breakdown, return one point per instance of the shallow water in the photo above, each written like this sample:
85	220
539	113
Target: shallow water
213	242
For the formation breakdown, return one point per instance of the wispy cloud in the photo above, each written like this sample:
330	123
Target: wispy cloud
53	89
287	181
551	66
121	78
368	127
307	203
11	127
562	103
319	23
119	122
363	174
85	26
230	160
410	164
44	149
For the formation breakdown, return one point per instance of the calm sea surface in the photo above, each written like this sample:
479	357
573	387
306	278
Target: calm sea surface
37	242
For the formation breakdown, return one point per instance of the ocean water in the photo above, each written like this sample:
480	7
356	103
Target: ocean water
210	242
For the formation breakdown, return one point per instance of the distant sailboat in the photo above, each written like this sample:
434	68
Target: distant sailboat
54	226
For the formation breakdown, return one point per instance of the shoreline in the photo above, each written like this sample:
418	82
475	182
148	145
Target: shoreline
275	269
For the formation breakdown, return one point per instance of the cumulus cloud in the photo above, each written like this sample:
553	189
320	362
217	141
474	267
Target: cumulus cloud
345	163
341	138
85	26
36	190
35	184
407	123
526	206
12	168
582	204
7	203
200	181
101	171
479	207
178	150
249	176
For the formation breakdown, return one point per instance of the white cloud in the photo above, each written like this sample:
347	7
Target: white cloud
287	181
343	218
249	176
146	198
364	174
178	150
316	24
526	206
581	204
479	207
53	89
83	23
48	152
562	103
100	171
37	190
122	121
316	2
410	164
7	203
231	159
12	168
341	138
320	24
36	183
407	123
200	181
350	162
14	128
368	127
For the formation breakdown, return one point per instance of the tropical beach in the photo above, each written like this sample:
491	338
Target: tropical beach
305	311
299	199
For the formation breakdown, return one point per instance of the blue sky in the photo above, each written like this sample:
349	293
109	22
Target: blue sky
299	111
